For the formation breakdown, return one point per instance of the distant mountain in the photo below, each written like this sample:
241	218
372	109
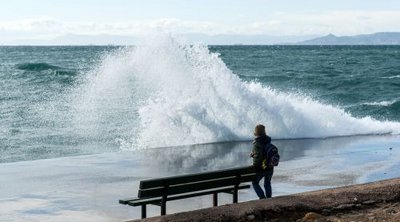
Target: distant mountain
379	38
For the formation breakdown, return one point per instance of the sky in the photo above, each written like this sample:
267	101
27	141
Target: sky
25	20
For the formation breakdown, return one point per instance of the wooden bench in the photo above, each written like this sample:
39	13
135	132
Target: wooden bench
159	191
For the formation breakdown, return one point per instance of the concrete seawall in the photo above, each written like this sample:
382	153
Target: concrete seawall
310	206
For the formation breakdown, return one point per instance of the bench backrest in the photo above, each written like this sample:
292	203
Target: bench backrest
195	182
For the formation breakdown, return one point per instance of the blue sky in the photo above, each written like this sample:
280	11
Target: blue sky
46	19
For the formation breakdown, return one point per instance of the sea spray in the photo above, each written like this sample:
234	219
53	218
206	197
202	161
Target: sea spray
180	94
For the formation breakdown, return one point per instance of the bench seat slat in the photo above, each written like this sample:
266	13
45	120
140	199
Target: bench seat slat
156	201
160	182
125	201
192	187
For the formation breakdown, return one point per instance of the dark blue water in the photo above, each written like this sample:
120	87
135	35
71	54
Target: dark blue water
41	91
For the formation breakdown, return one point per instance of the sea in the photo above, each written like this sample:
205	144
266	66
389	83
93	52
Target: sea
81	126
60	101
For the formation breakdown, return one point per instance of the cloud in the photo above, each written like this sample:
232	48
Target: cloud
278	23
337	22
55	26
33	24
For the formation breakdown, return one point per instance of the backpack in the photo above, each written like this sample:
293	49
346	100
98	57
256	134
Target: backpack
271	156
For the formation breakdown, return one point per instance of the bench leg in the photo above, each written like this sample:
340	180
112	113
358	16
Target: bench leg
144	211
215	199
235	194
163	208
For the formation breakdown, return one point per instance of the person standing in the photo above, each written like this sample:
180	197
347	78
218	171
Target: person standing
261	140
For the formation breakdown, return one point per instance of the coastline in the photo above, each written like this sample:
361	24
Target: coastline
373	201
88	187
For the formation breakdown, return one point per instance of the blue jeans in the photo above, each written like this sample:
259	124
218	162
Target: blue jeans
267	175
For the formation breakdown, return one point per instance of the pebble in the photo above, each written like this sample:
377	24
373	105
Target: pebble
369	202
311	216
326	211
344	206
391	211
250	217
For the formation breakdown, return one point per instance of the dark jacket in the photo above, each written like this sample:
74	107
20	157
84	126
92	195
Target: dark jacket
258	147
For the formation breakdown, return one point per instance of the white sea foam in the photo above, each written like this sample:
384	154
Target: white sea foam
391	77
184	94
382	103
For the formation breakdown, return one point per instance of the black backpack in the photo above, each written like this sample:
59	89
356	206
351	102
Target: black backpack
271	156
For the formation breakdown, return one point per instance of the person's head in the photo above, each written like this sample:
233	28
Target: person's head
259	130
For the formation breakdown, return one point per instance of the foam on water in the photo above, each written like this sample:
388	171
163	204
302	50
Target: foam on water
391	77
382	103
180	94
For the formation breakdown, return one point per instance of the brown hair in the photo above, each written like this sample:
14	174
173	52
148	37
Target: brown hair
259	130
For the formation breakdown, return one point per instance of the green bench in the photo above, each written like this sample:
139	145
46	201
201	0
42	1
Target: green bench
159	191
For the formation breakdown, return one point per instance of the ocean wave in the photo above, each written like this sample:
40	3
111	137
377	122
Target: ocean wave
37	66
45	68
184	94
391	77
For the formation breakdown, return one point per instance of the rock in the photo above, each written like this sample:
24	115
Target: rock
344	206
311	216
369	202
326	211
397	217
250	217
390	211
396	204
